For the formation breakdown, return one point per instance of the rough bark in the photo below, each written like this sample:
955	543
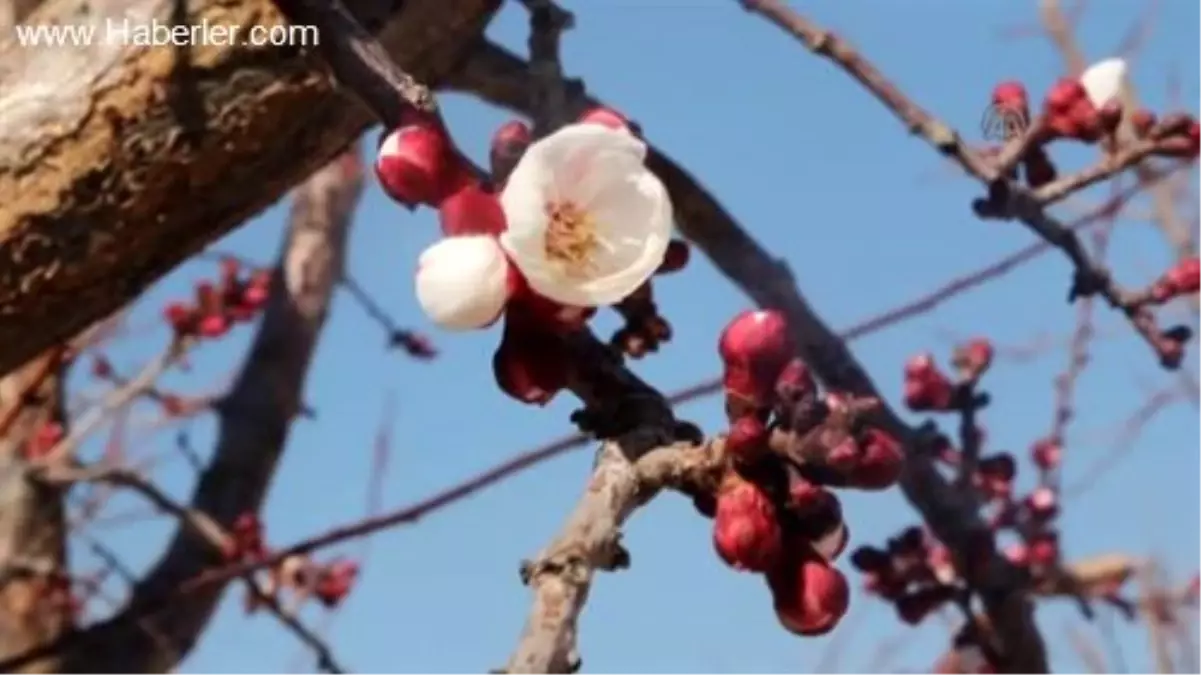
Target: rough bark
32	520
255	418
117	162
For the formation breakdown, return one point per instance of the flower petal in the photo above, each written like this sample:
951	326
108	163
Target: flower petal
1103	80
599	170
462	282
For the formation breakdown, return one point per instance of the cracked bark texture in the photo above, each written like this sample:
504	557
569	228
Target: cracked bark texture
149	635
119	162
32	517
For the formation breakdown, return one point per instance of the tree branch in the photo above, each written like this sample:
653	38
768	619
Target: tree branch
255	419
33	528
96	206
502	78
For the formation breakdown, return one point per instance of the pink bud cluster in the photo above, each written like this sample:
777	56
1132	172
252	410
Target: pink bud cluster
917	573
418	164
234	299
914	571
773	512
929	389
1183	278
1069	113
329	583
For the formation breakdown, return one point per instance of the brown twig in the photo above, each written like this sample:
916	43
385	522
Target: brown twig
1006	200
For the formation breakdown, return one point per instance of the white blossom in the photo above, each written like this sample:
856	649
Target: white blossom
462	282
1103	80
587	222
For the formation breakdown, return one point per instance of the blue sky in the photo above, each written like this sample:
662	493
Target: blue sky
867	218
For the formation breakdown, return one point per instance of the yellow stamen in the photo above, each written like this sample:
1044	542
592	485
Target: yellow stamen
571	238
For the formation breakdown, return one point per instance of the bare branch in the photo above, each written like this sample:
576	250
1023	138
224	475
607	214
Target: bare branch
255	418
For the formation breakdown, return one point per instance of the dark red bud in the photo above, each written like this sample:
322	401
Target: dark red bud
746	532
471	210
754	347
809	596
676	258
747	440
412	164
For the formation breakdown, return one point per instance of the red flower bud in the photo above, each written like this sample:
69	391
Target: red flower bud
1044	549
605	117
102	368
881	463
754	348
1182	278
844	456
1064	94
254	296
809	596
795	381
508	145
676	257
747	440
926	388
746	532
1010	96
1046	454
974	357
1042	503
335	581
530	364
43	440
412	164
1017	554
804	496
471	210
213	326
180	317
1142	121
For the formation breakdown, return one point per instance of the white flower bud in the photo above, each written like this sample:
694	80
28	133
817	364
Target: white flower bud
1103	81
462	282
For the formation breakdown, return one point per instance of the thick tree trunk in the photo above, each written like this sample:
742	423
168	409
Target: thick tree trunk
34	609
117	162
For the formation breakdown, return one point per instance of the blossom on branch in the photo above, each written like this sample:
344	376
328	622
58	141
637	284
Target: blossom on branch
1103	81
588	223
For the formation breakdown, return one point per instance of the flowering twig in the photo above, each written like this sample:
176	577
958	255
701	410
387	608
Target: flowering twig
1006	198
201	524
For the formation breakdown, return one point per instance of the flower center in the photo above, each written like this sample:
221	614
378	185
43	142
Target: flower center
570	238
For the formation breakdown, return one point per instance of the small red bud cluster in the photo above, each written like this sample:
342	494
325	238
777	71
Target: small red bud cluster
1183	278
914	571
44	439
418	164
787	444
329	583
218	307
928	389
1069	113
245	542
